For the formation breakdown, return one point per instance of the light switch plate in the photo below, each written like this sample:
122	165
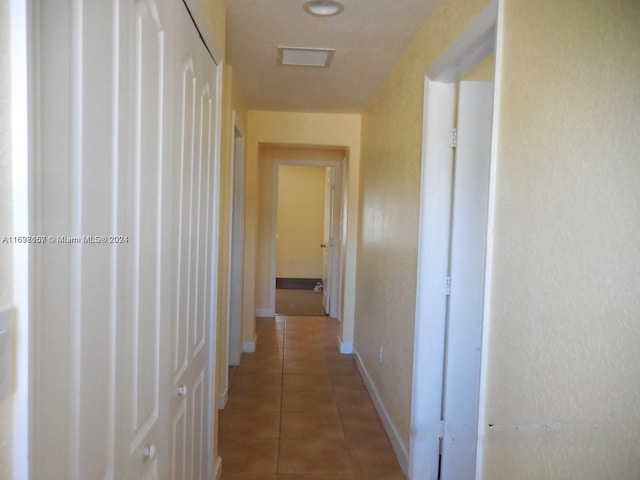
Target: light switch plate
6	366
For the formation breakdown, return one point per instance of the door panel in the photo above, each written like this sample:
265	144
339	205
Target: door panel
179	441
92	284
327	251
197	427
73	289
203	219
186	113
195	191
143	216
468	253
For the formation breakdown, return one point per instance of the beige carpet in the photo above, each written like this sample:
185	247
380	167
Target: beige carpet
298	302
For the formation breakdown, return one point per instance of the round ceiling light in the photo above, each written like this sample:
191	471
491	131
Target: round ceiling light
323	8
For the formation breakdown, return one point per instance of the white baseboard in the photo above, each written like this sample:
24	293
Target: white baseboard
345	347
265	312
217	469
223	399
402	452
249	347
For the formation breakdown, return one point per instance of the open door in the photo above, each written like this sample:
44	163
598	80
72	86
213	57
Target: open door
234	330
328	239
452	262
463	329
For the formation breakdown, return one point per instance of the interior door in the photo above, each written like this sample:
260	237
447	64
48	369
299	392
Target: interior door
328	237
467	269
125	190
144	212
194	193
100	383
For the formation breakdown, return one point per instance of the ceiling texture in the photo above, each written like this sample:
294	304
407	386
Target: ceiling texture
368	37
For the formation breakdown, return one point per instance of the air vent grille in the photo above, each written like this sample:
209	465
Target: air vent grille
305	57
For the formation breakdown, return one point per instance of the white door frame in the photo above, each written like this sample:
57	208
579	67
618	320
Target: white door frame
214	464
475	43
236	249
22	145
339	199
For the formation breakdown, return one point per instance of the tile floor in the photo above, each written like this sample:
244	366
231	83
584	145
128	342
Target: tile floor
298	410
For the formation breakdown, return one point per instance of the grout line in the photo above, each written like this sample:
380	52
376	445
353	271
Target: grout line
284	337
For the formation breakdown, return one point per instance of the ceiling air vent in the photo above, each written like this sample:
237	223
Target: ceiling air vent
305	57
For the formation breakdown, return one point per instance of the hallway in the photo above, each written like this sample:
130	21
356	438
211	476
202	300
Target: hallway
299	410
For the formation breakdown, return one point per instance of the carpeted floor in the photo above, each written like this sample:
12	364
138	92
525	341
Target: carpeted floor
298	302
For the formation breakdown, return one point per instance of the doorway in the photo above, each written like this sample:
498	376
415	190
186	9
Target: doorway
234	327
452	259
306	257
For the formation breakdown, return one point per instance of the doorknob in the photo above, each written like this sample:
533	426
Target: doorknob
182	390
323	245
149	452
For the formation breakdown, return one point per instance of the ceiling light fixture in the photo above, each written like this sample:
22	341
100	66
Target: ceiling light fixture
323	8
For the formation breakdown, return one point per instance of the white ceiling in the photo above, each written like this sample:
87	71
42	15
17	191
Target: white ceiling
369	37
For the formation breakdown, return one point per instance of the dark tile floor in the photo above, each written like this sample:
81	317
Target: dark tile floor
299	410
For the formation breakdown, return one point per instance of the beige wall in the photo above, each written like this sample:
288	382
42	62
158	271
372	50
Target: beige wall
564	362
390	186
268	154
6	226
484	71
298	129
216	12
300	221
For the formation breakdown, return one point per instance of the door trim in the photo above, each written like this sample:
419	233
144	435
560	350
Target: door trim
23	145
336	255
214	283
474	44
236	250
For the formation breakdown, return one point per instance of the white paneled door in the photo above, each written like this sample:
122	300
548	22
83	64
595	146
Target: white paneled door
194	177
125	199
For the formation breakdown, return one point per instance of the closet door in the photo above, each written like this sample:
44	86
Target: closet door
82	292
125	198
195	206
143	278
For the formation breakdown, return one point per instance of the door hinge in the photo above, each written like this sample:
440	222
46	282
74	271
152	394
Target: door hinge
441	437
454	137
447	286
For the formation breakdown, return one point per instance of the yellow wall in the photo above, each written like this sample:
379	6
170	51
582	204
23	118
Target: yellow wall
564	350
390	186
484	71
297	129
564	363
6	227
232	104
300	221
216	12
234	112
